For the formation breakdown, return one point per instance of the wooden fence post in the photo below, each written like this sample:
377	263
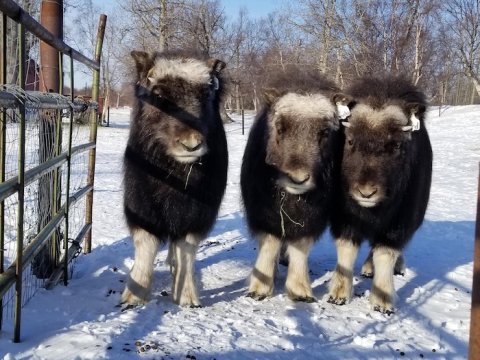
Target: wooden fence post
93	132
474	348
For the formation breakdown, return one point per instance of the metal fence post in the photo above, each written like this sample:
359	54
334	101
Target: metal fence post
3	78
243	122
93	131
21	191
474	348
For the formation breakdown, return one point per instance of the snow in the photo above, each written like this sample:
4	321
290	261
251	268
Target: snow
82	321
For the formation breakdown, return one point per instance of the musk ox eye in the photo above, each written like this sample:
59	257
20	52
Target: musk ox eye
280	130
156	90
350	142
324	132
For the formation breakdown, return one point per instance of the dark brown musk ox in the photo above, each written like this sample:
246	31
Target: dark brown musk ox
286	177
175	167
385	183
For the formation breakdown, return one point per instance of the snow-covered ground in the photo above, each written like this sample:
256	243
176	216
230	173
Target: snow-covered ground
82	321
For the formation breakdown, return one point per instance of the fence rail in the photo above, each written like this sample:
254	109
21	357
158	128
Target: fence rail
51	181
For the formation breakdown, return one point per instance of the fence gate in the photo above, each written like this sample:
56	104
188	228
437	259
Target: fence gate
47	164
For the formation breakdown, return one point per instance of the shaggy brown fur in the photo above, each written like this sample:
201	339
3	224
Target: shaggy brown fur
175	165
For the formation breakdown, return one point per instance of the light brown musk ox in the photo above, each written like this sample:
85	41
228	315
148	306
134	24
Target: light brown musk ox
286	177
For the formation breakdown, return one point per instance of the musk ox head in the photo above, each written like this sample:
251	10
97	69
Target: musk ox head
179	96
300	128
376	157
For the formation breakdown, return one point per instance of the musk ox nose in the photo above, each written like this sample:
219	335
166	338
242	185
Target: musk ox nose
191	144
299	177
367	191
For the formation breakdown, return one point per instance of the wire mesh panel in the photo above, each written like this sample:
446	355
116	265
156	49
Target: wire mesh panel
47	158
46	137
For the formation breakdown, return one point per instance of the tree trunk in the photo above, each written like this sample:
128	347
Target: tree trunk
163	33
226	119
417	72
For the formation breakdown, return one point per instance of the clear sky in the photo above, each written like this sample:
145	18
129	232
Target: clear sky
256	8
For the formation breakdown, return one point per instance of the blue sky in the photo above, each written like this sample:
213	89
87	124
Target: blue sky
256	8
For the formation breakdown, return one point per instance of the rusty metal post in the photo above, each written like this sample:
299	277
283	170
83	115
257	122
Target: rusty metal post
93	132
51	80
474	348
51	17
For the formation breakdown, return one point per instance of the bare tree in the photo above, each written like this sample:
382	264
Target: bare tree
465	27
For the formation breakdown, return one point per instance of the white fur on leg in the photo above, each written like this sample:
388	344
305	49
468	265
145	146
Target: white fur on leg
298	281
342	279
368	270
400	265
184	289
171	261
261	280
383	292
139	280
367	267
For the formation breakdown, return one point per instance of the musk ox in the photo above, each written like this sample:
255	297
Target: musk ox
175	167
384	183
286	180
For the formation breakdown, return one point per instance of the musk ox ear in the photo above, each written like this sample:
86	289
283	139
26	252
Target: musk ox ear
216	65
416	112
143	62
343	103
271	95
416	108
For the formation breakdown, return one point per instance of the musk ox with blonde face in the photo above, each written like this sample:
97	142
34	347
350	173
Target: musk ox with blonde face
384	184
286	182
175	167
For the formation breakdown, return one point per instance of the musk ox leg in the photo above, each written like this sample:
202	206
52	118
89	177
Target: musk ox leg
298	282
367	268
342	279
399	265
184	289
261	280
139	280
171	257
383	292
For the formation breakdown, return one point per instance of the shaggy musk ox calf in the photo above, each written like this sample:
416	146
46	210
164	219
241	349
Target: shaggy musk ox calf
385	184
286	182
175	167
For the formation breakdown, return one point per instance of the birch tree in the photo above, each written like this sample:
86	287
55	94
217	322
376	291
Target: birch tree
464	21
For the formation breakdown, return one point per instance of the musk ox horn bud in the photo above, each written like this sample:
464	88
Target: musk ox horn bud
346	124
415	121
343	110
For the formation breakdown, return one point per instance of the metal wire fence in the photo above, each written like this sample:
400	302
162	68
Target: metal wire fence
47	163
47	135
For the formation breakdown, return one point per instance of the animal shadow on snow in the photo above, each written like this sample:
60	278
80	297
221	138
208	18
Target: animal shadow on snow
437	249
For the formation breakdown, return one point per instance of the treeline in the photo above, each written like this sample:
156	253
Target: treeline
435	43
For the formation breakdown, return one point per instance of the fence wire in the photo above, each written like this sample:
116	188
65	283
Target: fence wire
44	140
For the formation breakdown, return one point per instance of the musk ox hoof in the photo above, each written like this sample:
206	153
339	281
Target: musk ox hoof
199	306
368	275
383	310
256	296
382	303
337	301
188	301
306	299
129	298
